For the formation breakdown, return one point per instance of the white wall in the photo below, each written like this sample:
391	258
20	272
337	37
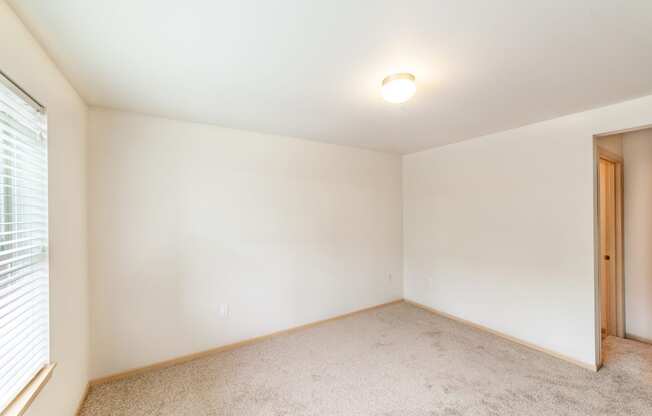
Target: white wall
184	217
637	152
23	60
499	230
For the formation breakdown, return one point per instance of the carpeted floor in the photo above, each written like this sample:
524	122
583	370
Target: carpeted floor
394	361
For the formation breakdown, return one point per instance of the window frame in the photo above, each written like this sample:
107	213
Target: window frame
21	402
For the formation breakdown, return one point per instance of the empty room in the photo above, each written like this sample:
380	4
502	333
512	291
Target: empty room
322	208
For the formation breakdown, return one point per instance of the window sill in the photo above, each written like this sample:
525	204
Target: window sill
28	394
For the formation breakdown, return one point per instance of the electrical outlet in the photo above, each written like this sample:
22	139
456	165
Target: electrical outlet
390	277
431	282
224	310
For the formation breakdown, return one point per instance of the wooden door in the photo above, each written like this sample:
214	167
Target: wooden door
607	218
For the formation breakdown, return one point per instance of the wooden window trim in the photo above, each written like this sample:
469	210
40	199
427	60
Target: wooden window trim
27	395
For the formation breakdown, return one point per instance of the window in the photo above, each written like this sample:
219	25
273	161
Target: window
24	321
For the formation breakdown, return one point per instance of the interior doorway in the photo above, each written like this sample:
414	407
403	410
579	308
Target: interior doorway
623	241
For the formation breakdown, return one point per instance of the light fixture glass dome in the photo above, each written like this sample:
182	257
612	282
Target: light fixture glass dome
398	88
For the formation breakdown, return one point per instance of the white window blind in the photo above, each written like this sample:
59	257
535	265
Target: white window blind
24	322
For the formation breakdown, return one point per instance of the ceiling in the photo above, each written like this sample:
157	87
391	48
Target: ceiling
312	69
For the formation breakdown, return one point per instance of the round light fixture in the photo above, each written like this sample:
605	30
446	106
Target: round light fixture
398	88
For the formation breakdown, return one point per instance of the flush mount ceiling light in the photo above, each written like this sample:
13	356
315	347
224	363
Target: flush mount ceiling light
398	88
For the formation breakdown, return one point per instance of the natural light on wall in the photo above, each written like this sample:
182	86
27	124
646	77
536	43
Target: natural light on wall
24	321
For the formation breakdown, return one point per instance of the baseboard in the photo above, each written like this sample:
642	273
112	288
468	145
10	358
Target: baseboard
83	399
639	339
191	357
527	344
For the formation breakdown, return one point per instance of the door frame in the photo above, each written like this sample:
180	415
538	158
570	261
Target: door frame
617	160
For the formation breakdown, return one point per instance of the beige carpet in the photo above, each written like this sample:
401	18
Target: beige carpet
394	361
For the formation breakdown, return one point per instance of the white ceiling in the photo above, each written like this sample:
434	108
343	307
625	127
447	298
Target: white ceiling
312	69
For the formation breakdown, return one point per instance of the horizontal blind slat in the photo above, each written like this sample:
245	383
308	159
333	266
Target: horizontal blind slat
18	281
25	111
28	335
9	143
41	236
10	359
15	360
19	258
15	139
6	186
21	322
19	249
21	111
15	122
17	155
6	273
24	361
27	173
35	198
21	285
25	291
21	223
32	181
22	305
26	230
